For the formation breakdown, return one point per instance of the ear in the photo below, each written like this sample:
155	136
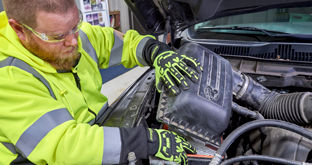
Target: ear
18	29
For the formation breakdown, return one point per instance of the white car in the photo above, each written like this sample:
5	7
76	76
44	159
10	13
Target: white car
253	103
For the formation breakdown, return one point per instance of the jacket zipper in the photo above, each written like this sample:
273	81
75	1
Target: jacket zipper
77	80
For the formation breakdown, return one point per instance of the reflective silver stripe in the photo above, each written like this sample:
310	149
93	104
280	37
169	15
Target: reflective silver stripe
100	114
87	46
38	130
116	52
112	145
10	146
11	61
19	159
139	50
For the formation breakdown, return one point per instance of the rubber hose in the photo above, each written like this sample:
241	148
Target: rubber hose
246	112
260	158
252	125
293	107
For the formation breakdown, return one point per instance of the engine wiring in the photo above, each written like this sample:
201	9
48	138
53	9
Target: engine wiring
263	158
252	125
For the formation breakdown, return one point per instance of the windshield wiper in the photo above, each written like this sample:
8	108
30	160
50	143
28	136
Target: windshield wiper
264	31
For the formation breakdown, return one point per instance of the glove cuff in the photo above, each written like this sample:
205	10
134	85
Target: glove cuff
152	141
153	48
133	140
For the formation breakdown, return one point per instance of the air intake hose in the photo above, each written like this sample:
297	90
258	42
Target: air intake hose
293	107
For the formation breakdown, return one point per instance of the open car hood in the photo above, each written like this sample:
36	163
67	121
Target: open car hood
156	15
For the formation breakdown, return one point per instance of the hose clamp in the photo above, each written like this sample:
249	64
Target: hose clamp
244	88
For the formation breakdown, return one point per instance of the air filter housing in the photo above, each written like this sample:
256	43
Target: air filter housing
204	110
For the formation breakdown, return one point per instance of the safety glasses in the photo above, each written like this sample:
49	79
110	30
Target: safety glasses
55	38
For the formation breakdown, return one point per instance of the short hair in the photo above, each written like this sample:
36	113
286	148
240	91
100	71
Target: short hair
24	11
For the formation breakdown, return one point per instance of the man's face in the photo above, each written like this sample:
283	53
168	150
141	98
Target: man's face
61	55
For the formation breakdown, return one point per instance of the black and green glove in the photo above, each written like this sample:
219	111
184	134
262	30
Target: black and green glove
171	67
169	146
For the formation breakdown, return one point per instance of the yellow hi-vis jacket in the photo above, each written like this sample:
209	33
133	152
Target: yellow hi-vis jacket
44	116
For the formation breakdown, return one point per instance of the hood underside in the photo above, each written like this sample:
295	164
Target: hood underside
155	14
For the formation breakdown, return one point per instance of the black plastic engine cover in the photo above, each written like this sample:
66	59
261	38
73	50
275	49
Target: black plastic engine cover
204	110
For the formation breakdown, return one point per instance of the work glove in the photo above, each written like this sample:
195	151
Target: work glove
170	67
168	146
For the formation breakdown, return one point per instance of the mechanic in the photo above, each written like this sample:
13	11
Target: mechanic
50	87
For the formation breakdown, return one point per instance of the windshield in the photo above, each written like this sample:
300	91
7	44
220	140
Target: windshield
286	20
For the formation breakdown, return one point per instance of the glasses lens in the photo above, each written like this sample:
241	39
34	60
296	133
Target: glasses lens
56	38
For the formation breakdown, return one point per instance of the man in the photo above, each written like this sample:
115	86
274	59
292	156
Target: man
50	87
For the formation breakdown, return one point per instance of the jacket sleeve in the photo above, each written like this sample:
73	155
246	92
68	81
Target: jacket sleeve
111	49
45	132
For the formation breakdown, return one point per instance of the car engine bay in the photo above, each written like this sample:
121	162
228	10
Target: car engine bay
222	103
253	102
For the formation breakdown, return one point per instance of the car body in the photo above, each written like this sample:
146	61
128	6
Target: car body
257	58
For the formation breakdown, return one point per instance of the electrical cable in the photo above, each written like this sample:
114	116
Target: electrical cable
256	124
260	158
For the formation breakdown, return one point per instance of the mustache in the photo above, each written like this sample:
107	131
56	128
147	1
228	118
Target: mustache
70	49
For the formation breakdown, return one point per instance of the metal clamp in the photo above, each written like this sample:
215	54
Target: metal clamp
244	88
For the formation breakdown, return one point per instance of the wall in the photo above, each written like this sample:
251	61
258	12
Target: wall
78	4
121	6
1	7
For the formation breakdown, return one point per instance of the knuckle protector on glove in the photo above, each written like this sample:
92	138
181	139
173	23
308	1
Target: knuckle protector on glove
171	146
